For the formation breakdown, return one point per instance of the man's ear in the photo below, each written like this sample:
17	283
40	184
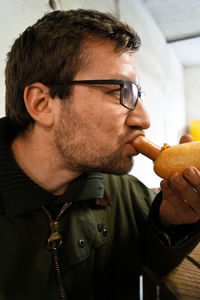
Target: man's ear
39	103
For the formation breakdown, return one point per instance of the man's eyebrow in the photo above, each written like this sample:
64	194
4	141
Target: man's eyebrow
124	77
120	77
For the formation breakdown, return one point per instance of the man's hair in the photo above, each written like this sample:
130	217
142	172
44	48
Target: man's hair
53	50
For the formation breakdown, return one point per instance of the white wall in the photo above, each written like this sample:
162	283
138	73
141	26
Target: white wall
103	5
161	73
15	17
192	92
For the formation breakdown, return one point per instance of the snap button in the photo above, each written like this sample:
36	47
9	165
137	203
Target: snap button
105	232
81	243
100	227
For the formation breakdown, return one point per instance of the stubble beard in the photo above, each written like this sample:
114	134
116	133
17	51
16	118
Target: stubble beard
80	155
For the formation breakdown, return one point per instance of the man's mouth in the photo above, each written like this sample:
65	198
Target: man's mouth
131	139
132	149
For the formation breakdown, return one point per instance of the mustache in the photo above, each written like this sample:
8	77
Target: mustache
132	133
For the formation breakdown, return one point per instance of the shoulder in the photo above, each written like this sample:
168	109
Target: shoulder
127	186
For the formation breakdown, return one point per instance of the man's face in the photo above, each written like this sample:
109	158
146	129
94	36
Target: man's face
94	130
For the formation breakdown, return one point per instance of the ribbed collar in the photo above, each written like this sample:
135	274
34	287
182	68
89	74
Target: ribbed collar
20	194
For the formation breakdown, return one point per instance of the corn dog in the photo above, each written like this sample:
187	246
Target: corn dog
169	159
146	147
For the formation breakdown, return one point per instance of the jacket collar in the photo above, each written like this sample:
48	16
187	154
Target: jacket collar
20	194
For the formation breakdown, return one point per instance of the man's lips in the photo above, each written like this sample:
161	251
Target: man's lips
131	138
132	149
130	145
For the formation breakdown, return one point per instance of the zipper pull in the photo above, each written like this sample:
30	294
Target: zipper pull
55	234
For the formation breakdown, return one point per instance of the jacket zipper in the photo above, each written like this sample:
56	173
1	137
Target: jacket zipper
54	242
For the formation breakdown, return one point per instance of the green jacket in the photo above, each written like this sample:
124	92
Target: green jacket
107	235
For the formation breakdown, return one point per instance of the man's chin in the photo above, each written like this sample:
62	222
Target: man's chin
123	169
117	166
129	163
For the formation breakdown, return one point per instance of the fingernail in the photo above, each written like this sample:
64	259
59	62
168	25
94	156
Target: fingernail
191	171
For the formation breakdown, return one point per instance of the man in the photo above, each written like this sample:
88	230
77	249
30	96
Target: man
68	229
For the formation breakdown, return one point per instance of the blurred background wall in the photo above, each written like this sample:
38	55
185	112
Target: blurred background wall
172	88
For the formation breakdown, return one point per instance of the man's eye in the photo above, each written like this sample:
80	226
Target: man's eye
126	92
115	93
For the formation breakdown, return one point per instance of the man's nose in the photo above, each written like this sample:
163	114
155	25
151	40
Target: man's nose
138	117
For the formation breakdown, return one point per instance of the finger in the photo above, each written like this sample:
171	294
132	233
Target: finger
170	194
185	191
192	175
173	209
186	138
167	211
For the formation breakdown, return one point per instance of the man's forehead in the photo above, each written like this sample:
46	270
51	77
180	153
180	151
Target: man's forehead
104	61
97	46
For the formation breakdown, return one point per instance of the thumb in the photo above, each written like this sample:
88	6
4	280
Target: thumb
186	138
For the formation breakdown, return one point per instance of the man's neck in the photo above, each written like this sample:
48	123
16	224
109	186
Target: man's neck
41	163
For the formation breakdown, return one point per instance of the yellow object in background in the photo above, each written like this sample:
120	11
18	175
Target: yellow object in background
195	129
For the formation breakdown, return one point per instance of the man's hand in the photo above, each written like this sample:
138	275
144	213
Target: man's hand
181	196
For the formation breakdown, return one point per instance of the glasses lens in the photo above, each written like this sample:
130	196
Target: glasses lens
129	95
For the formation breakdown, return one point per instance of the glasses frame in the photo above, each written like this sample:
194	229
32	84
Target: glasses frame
121	83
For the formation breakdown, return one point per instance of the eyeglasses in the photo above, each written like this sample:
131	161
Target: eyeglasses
129	91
